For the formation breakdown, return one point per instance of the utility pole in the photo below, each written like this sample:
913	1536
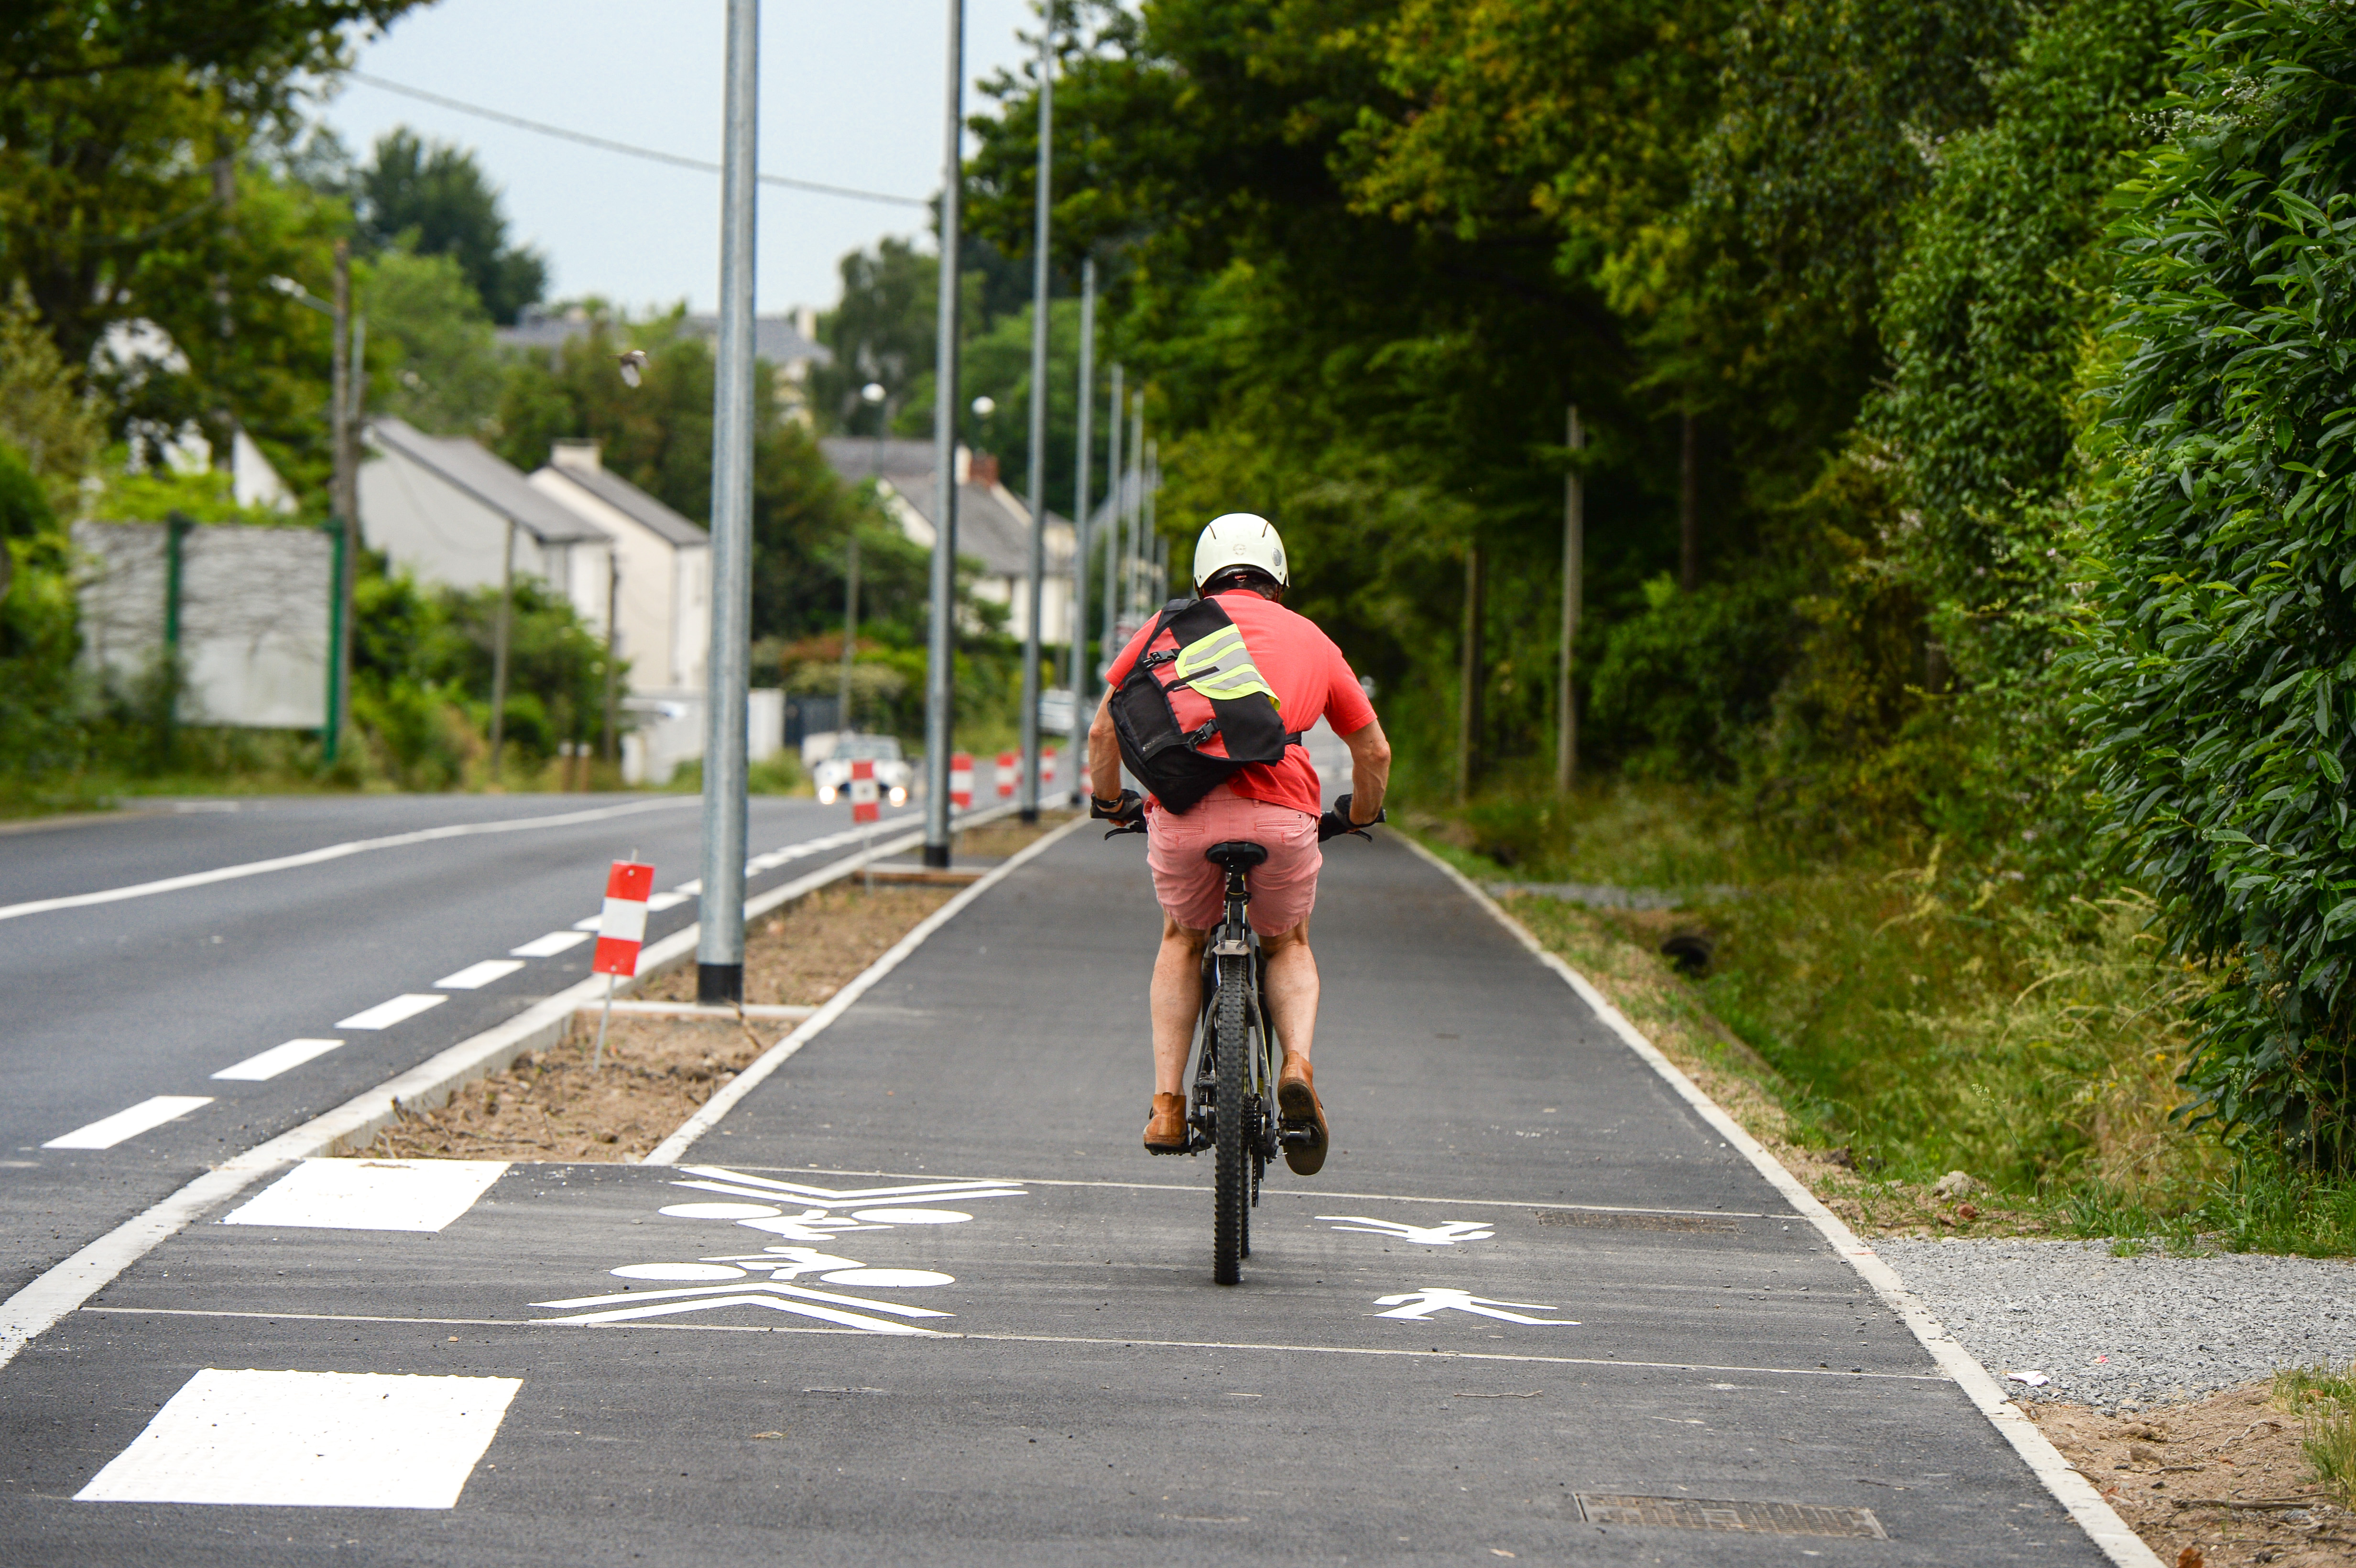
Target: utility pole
1114	504
1043	201
1468	730
941	641
499	635
1133	531
720	939
345	502
1574	588
1083	668
1688	508
850	635
1151	544
613	652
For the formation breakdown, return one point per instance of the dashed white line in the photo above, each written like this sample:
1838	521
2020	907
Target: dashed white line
384	1015
476	976
108	1131
277	1059
549	946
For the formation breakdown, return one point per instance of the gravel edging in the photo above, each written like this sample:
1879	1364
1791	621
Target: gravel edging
2124	1333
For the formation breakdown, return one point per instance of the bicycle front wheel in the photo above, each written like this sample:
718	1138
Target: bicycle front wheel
1233	1184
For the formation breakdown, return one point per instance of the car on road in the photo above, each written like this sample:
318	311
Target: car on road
892	774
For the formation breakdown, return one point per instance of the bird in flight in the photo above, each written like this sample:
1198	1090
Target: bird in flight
633	362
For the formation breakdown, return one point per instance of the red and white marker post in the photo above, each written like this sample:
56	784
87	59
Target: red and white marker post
865	808
1046	772
1008	763
621	930
961	780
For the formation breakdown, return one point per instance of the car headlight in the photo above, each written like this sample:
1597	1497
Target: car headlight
826	795
899	796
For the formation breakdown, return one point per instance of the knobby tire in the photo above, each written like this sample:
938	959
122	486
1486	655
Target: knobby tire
1233	1183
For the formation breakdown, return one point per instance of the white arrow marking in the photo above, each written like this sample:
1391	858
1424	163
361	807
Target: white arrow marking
1445	1234
1422	1303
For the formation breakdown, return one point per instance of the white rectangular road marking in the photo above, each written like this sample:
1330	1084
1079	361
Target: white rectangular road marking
549	946
370	1194
661	902
108	1131
475	976
587	923
310	1440
277	1059
384	1015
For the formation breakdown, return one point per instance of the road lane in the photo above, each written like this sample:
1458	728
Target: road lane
110	1005
921	1299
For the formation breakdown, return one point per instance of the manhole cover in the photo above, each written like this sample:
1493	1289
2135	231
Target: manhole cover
1758	1519
1605	1221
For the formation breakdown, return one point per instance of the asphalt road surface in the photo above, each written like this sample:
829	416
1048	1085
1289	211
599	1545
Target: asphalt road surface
118	1005
922	1299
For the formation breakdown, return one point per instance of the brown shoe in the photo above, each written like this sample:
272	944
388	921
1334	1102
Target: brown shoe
1297	1106
1165	1130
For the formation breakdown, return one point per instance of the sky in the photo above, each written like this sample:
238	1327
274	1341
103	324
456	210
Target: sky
851	93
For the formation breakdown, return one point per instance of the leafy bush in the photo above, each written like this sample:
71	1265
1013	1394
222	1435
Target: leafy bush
2220	673
1682	686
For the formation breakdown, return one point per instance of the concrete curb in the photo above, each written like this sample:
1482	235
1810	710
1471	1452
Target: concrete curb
66	1286
2071	1489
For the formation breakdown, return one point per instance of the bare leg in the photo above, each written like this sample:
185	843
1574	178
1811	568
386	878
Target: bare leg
1292	987
1177	999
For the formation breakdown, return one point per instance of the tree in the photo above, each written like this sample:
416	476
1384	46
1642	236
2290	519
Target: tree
433	198
442	370
2219	676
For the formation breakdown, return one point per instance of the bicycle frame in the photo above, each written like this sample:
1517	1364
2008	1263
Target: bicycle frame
1233	937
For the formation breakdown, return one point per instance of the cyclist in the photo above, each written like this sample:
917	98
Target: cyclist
1239	560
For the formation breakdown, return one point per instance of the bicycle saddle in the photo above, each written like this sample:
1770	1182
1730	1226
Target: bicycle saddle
1237	854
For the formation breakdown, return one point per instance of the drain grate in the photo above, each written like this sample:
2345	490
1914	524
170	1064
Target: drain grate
1601	1219
1757	1518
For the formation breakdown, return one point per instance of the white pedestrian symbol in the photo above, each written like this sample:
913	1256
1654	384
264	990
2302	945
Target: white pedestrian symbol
1445	1234
1422	1303
780	1264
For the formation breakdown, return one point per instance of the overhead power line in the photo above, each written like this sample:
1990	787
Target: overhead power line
650	153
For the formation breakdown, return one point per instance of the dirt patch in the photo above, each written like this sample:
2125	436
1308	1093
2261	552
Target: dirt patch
550	1105
2224	1477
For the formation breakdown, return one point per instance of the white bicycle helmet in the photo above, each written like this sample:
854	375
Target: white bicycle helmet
1239	538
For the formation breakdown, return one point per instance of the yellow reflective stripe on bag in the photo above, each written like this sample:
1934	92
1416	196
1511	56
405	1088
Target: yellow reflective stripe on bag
1220	668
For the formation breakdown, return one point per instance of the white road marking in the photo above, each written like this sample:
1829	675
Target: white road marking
661	902
1447	1233
108	1131
277	1059
549	946
473	976
2072	1490
370	1194
294	1439
588	922
334	852
1422	1303
384	1015
823	1305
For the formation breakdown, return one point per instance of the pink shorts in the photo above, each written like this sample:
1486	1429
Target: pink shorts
1193	890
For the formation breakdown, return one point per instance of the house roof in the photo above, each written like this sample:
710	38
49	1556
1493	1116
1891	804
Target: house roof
488	479
627	498
993	525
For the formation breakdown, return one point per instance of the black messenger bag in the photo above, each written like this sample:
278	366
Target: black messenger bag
1194	710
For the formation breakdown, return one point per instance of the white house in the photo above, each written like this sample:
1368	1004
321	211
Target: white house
993	525
449	511
663	613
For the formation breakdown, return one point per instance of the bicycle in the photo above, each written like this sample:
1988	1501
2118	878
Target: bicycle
1231	1095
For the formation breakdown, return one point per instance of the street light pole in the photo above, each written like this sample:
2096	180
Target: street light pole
1083	667
1043	201
719	940
1574	560
941	640
346	505
1112	523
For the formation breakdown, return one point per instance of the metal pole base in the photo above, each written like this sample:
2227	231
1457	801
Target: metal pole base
719	985
1029	815
937	856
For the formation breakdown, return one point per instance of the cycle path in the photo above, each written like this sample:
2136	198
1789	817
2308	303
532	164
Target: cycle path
921	1298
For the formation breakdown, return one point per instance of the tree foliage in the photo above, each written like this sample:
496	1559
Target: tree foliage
432	198
2220	673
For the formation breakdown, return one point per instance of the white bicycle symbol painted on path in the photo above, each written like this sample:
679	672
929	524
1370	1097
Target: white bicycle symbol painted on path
730	1282
1447	1233
1422	1303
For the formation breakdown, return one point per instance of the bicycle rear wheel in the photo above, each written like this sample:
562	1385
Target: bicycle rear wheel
1232	1185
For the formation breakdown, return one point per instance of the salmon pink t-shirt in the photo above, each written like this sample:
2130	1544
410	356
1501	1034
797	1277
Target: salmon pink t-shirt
1311	680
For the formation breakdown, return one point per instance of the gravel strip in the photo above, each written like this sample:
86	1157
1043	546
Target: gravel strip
2122	1333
